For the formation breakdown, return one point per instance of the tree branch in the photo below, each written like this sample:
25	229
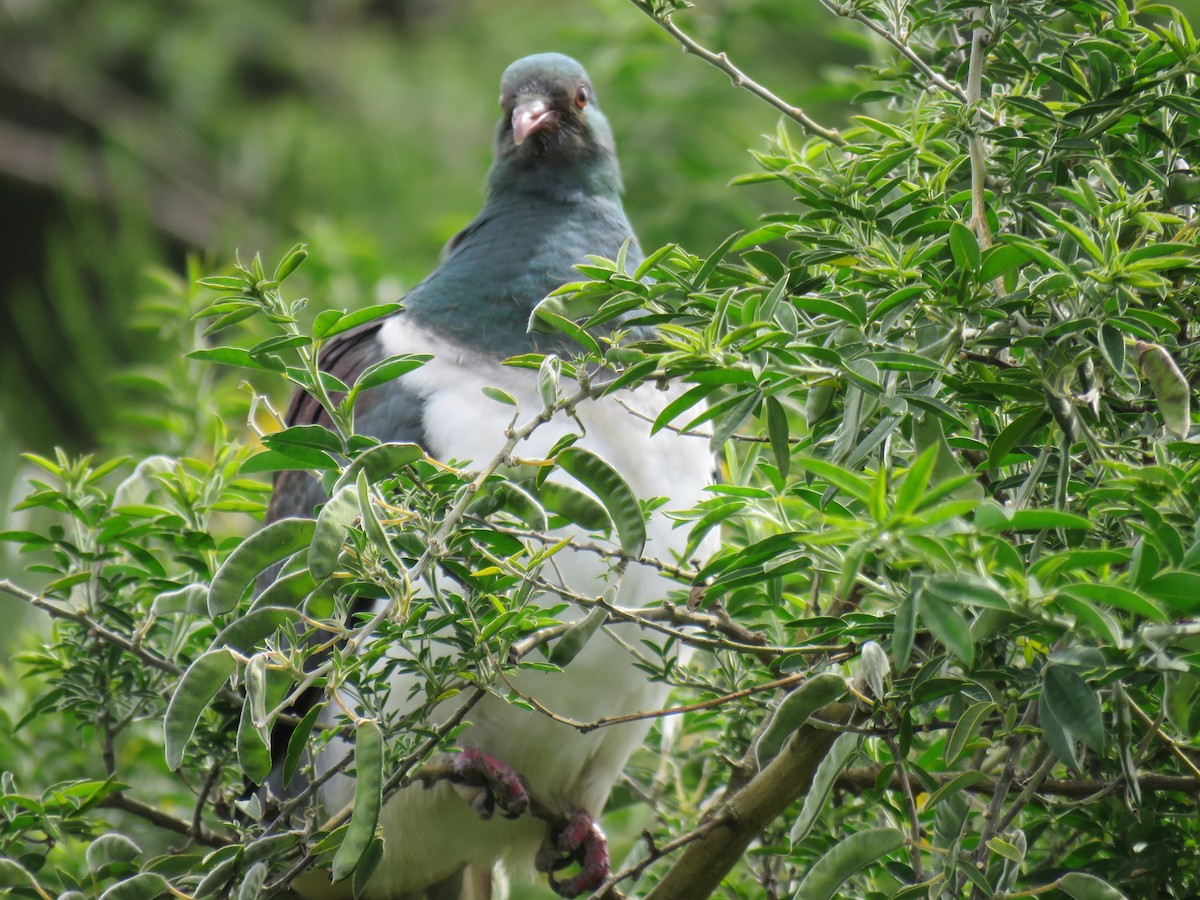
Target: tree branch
162	820
700	868
736	75
867	777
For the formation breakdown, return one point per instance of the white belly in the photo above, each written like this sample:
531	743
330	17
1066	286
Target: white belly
430	833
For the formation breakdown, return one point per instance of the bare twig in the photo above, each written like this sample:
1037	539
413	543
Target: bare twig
865	778
910	805
736	75
167	822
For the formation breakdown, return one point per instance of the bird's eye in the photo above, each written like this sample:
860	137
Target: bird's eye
581	96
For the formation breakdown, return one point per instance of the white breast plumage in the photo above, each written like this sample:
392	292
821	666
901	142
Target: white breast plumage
431	832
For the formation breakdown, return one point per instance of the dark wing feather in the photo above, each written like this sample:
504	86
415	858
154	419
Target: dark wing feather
390	412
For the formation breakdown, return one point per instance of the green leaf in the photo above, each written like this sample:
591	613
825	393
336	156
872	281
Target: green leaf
947	625
248	631
189	600
291	261
286	590
964	247
315	437
904	631
794	711
779	436
574	506
710	265
1074	705
197	687
1178	590
262	549
822	784
567	647
379	462
355	318
389	369
967	728
144	886
1046	519
252	884
612	491
956	784
110	848
845	859
1115	595
567	327
999	260
368	797
234	356
1082	886
967	589
329	534
274	461
297	743
843	479
680	404
916	480
1015	432
495	393
1171	389
252	740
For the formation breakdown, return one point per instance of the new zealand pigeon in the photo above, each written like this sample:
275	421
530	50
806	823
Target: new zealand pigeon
553	198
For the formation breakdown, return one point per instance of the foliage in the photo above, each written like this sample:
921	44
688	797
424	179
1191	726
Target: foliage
950	389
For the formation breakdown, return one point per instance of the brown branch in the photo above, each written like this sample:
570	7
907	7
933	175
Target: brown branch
167	822
867	777
698	871
736	75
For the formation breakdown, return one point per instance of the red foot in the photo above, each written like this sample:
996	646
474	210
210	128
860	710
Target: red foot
579	841
494	783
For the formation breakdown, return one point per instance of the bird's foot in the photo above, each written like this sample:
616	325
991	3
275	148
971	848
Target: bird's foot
580	841
483	781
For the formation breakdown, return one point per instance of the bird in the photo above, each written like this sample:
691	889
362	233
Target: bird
553	198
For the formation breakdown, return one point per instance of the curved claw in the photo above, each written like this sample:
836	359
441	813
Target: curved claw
487	784
579	841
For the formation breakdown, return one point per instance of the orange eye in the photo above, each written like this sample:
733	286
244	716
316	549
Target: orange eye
581	96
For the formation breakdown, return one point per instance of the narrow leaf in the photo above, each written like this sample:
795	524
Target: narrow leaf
197	687
266	546
611	490
794	711
845	859
368	797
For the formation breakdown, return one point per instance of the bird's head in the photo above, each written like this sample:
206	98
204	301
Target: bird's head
550	116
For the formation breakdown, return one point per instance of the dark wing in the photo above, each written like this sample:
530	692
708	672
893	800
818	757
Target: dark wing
390	412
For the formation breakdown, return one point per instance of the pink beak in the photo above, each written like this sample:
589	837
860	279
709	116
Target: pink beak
529	116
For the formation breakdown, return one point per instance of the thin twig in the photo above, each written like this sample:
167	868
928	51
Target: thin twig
162	820
910	804
736	75
866	778
846	10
